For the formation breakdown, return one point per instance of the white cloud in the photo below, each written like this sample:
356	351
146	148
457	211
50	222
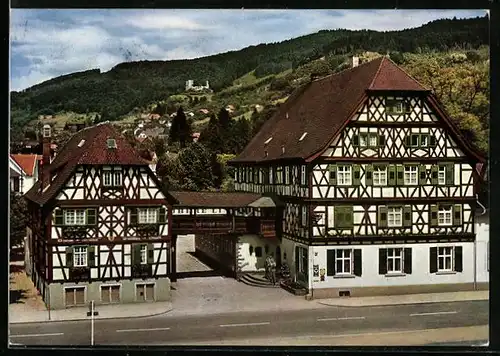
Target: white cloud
49	43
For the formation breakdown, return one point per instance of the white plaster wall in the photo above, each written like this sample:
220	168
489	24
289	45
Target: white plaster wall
250	262
288	247
482	239
370	277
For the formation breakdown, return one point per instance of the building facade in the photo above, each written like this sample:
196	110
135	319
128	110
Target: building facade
379	186
99	224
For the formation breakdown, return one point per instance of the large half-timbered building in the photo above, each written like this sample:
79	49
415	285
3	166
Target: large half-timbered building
99	224
378	184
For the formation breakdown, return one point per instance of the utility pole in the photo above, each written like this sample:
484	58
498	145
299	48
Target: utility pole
92	313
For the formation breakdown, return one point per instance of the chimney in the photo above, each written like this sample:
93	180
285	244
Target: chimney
355	61
46	138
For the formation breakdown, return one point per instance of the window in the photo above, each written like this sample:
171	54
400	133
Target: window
301	263
148	216
279	175
144	254
445	259
80	256
343	262
372	140
367	139
379	175
303	175
424	140
111	143
74	296
287	175
445	217
394	260
110	294
145	292
112	177
442	175
410	175
394	106
394	217
344	176
420	140
74	217
363	140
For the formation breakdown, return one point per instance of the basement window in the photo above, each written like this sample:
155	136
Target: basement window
268	140
303	136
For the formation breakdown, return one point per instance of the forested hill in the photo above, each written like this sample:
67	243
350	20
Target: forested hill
135	84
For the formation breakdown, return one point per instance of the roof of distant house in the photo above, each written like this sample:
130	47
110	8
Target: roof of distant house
27	162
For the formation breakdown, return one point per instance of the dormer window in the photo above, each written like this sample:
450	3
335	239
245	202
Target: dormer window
46	131
394	106
111	143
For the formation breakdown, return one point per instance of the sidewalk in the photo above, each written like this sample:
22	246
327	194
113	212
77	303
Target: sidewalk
139	310
406	299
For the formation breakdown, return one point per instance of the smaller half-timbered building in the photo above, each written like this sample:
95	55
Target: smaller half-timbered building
99	224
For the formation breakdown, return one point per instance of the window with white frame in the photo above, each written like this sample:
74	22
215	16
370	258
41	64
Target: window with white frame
363	140
287	175
372	140
80	256
442	175
271	175
445	215
394	217
445	259
74	217
344	175
112	178
411	175
144	254
343	261
304	215
379	175
148	215
303	175
394	260
424	140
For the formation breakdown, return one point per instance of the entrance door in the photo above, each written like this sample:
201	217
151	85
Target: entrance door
278	257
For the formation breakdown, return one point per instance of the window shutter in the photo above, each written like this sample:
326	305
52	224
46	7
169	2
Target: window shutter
91	217
333	174
400	175
433	260
369	175
434	174
355	140
434	215
162	215
339	216
330	262
458	259
450	174
58	217
348	216
150	249
392	175
407	218
91	256
457	214
133	216
136	254
356	174
432	140
296	261
381	140
382	216
69	256
357	262
422	173
407	263
382	261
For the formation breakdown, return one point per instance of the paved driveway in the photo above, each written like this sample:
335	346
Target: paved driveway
186	261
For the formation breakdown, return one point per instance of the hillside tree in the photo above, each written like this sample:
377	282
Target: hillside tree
18	219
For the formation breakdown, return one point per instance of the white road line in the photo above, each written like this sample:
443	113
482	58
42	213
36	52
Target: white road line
248	324
346	318
132	330
434	313
37	335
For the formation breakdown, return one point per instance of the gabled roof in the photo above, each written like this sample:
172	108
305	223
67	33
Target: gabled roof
86	147
27	162
321	108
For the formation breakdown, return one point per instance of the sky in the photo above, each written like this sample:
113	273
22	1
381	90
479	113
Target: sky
48	43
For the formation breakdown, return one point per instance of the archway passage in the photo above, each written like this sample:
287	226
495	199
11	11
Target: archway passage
192	263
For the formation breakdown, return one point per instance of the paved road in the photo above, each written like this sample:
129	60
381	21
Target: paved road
163	330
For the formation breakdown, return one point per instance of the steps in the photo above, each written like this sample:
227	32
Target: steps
257	280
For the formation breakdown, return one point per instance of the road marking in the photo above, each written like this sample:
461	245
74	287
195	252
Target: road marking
346	318
37	335
131	330
434	313
248	324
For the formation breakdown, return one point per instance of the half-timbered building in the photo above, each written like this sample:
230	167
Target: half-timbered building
99	224
378	185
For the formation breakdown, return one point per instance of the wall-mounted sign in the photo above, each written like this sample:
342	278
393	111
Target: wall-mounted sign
315	270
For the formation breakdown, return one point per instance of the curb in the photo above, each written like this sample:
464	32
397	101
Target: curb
88	318
400	303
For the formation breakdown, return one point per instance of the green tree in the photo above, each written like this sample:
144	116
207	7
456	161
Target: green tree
180	131
212	137
169	172
159	146
195	162
18	219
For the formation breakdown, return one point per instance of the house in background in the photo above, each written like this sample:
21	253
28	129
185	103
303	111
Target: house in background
24	170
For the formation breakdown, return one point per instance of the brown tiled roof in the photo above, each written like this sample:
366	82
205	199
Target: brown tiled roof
215	199
93	151
26	162
321	108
